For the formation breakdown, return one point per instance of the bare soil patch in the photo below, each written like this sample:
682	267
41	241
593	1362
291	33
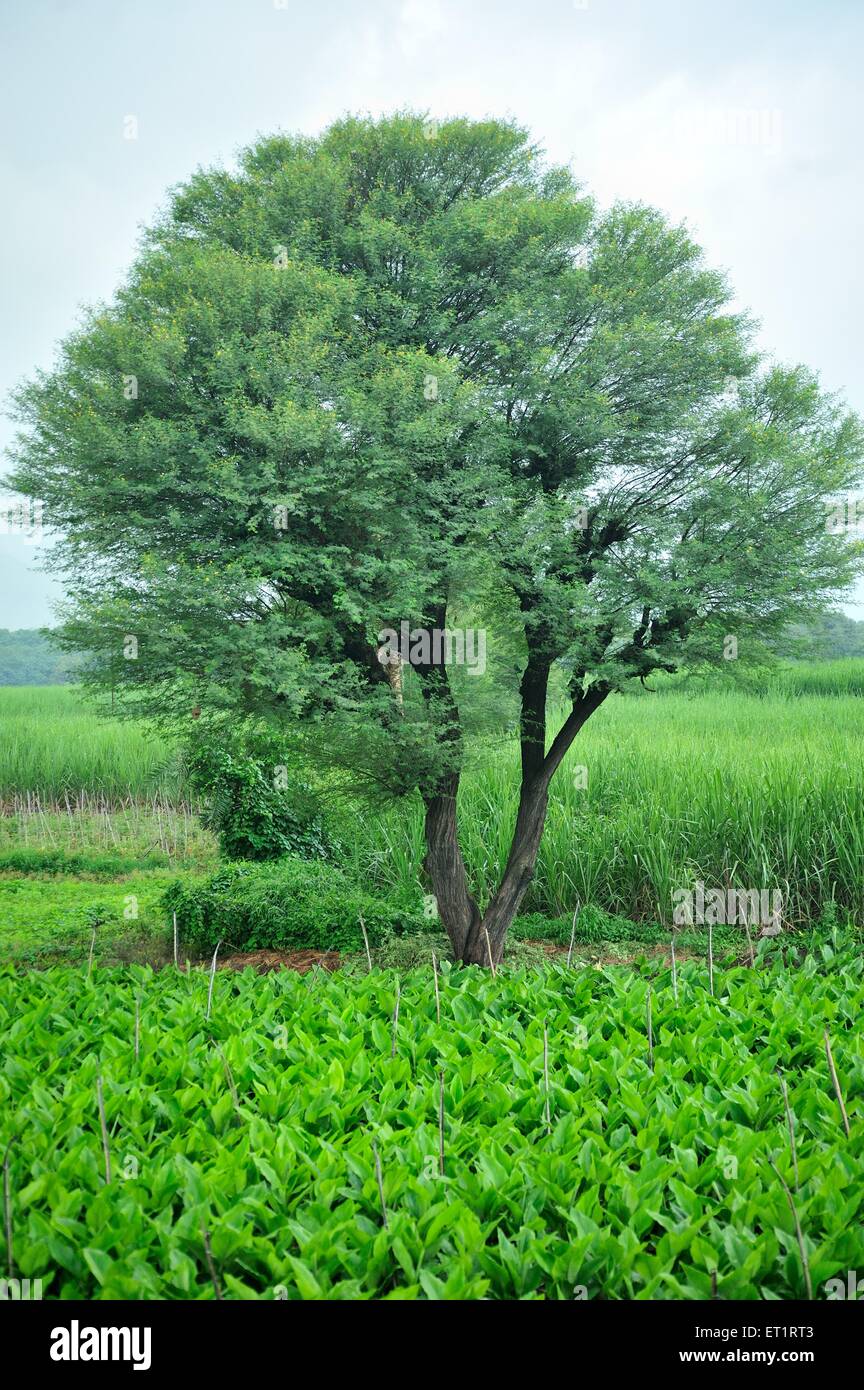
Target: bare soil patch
266	961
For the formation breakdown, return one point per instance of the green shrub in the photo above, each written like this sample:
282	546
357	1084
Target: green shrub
593	925
415	952
290	904
254	807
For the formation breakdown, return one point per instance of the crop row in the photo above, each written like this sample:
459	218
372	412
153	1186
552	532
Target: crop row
313	1140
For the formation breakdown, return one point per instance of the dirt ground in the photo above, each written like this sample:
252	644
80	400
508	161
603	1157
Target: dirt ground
607	953
266	961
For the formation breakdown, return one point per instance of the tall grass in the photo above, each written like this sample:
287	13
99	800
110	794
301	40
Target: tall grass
54	747
844	676
733	789
738	789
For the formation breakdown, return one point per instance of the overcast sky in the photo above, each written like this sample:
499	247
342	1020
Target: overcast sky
742	117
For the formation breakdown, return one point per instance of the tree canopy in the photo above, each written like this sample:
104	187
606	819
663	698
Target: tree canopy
402	371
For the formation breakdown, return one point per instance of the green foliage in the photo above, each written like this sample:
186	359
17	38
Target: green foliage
252	807
289	904
52	920
558	405
646	1184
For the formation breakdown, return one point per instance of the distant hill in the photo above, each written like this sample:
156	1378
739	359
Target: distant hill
27	657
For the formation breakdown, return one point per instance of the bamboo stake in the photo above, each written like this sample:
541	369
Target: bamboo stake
650	1033
7	1208
176	962
547	1113
749	942
437	995
573	933
711	957
674	972
489	949
441	1123
105	1149
205	1236
836	1083
366	944
798	1232
395	1020
791	1123
212	978
90	956
380	1179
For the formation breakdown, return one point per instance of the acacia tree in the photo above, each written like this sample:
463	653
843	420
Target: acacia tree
365	374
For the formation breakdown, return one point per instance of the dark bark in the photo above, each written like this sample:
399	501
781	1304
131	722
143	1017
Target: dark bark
532	718
474	938
486	938
444	864
457	909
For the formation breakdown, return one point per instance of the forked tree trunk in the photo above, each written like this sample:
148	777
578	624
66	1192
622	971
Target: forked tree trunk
488	936
475	937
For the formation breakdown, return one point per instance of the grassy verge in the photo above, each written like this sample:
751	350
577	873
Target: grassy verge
143	835
53	921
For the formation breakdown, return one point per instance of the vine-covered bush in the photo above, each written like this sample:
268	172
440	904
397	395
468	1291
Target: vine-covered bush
256	807
292	904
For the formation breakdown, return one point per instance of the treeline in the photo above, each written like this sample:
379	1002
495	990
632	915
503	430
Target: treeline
28	657
830	637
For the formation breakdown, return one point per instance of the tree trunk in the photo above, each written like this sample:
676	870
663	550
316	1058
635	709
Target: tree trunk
475	938
486	938
457	910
